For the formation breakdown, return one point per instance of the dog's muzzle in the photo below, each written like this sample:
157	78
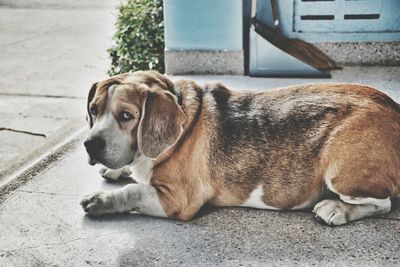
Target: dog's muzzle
94	148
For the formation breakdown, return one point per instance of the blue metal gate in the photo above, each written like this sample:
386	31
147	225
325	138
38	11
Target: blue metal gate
341	20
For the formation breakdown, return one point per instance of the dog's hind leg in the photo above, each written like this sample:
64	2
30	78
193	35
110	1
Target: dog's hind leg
347	209
360	196
361	165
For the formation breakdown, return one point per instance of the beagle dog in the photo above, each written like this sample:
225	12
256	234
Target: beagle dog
287	149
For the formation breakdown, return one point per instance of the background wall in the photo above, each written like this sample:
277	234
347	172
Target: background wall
203	36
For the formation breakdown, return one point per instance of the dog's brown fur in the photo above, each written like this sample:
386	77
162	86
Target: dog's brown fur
284	139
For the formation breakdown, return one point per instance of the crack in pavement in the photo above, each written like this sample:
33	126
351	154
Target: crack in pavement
43	95
46	193
21	131
43	245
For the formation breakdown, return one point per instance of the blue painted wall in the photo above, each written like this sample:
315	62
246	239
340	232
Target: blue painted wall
203	25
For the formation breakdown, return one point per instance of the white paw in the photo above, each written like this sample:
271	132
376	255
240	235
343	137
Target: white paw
97	203
114	175
333	212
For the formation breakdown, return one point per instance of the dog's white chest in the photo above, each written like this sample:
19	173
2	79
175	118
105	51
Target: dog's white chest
142	169
255	200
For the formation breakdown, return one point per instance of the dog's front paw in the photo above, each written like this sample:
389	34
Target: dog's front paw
332	212
114	175
97	203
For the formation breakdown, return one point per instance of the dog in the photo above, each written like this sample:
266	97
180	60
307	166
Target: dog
288	149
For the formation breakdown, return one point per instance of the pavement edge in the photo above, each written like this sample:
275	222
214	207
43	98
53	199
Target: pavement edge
27	166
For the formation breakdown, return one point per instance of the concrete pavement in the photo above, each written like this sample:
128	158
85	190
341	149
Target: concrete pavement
51	52
41	222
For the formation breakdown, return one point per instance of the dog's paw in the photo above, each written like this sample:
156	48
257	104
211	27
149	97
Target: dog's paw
332	212
97	203
114	175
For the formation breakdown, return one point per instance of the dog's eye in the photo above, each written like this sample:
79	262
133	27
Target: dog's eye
93	110
125	116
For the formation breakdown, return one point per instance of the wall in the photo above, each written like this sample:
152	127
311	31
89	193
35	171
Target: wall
203	36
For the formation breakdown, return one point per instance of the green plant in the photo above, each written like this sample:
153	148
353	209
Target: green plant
139	37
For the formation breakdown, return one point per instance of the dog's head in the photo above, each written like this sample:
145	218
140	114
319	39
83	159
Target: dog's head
132	114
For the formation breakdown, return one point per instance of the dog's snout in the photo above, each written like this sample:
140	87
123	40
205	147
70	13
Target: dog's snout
94	145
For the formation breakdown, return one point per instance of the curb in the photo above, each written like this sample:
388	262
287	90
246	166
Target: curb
27	166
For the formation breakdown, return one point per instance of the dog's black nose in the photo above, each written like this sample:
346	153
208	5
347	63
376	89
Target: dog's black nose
95	145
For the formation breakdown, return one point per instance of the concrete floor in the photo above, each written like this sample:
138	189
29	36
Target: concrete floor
41	222
51	52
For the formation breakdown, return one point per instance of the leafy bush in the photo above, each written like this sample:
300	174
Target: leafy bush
139	37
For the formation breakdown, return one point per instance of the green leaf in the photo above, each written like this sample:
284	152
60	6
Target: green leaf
139	37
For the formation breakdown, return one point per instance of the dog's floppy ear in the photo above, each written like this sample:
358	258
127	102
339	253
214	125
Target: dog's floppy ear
155	80
159	80
161	123
91	94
